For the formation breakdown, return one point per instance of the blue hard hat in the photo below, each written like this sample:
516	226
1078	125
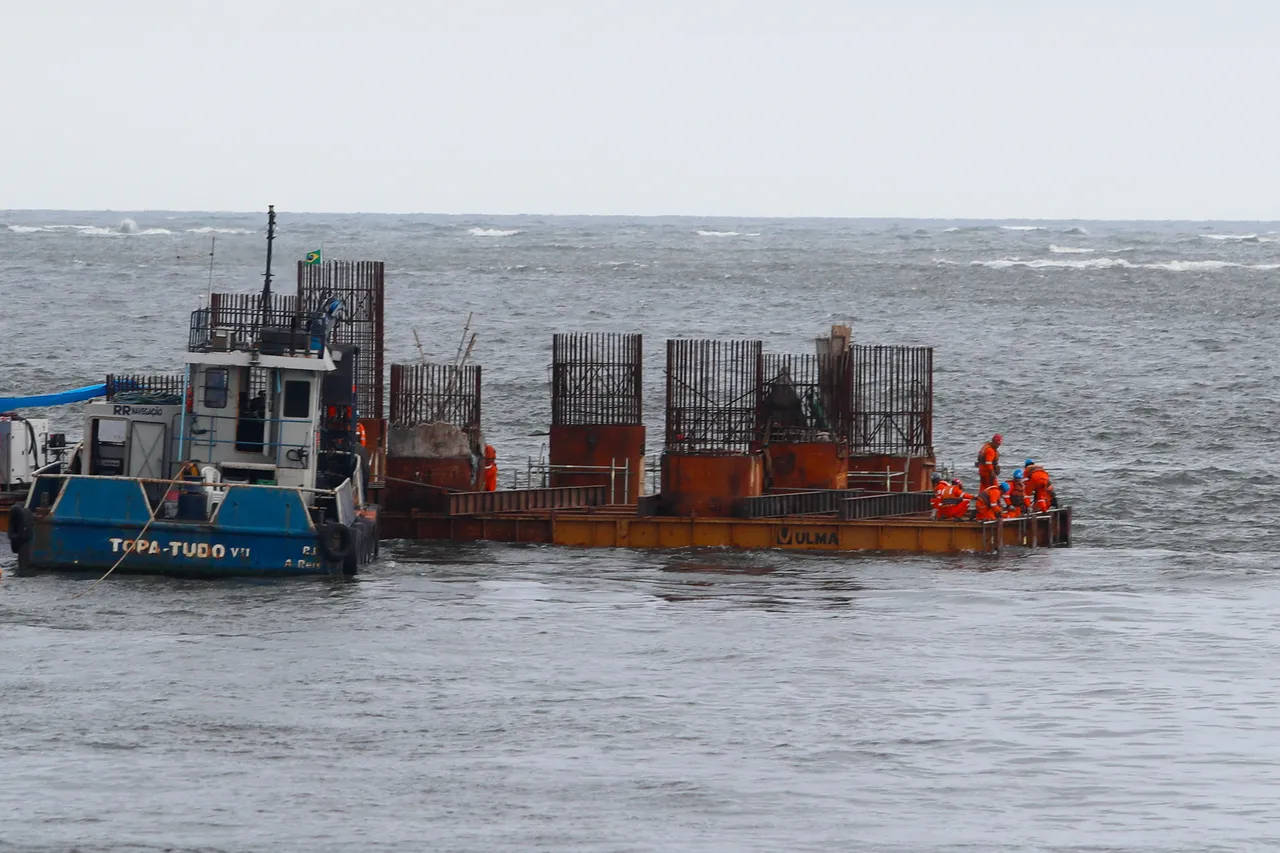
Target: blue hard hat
1004	487
1028	462
1017	475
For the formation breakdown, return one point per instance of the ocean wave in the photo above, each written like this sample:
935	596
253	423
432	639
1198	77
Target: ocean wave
1023	228
492	232
126	227
1075	230
1234	238
719	234
209	229
1115	263
1069	250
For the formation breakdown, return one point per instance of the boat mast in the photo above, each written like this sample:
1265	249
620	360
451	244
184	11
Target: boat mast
266	278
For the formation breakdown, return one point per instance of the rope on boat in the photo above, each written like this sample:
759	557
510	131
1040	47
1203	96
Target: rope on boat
145	527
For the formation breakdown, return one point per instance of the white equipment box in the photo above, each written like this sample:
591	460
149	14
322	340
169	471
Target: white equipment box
19	456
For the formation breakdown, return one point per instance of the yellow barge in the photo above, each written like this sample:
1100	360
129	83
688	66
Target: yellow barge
621	527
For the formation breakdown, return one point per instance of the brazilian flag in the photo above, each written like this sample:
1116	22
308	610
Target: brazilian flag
313	258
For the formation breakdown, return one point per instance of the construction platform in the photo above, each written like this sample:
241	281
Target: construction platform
541	516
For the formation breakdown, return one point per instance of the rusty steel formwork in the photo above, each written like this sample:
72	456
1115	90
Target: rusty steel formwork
436	393
812	502
885	505
596	380
713	395
525	500
171	384
891	412
361	287
805	398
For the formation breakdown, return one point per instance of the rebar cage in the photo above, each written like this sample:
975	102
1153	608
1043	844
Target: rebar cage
160	384
892	407
361	287
436	393
596	380
805	398
713	395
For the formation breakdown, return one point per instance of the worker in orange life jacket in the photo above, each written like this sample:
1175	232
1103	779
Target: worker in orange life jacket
956	502
1016	501
988	463
941	488
987	506
490	469
1039	486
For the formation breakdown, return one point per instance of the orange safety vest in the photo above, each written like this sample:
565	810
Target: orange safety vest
940	494
988	454
955	503
491	476
989	504
1016	497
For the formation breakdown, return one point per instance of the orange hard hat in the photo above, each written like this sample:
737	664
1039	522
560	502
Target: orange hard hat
489	452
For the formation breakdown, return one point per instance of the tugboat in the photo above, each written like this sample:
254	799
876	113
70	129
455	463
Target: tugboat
257	468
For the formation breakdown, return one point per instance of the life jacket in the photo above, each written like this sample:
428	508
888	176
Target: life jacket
1037	478
955	504
988	454
989	504
940	494
1017	494
490	476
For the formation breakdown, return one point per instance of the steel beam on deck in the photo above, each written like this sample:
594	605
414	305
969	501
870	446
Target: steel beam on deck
523	500
885	505
813	502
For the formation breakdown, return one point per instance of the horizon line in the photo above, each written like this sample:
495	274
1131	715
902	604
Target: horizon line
864	218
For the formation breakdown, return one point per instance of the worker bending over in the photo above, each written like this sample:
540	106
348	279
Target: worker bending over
1039	486
955	503
941	488
988	463
988	505
1016	502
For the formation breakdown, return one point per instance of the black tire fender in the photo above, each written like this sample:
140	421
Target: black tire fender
334	540
21	526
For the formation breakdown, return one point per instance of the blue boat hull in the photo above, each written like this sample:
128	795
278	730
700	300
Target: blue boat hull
97	523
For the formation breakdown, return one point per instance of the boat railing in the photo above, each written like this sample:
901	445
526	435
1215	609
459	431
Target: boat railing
234	322
202	432
178	484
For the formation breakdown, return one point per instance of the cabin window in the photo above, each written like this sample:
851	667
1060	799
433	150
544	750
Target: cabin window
297	399
111	431
215	388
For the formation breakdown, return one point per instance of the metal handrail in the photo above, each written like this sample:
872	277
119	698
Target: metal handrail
211	441
546	469
200	482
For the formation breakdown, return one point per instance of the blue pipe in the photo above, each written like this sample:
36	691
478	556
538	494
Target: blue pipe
59	398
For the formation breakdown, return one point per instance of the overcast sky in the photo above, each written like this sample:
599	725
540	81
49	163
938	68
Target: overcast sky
930	109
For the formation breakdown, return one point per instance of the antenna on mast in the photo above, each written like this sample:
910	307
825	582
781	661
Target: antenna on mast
266	278
213	244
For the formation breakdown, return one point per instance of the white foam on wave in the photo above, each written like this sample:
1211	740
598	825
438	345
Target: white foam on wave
492	232
1069	250
719	234
1233	238
1024	228
25	229
1115	263
209	229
